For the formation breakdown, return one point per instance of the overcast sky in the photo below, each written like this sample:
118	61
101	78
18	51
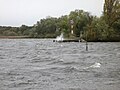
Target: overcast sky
28	12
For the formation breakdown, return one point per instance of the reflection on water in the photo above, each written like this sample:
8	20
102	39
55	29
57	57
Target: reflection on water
36	64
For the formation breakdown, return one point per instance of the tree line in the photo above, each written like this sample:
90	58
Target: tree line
103	28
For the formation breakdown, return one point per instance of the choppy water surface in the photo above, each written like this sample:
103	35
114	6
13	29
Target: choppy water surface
35	64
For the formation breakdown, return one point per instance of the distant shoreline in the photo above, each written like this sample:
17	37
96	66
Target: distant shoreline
28	37
13	37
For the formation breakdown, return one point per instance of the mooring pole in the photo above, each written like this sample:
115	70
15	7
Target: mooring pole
86	46
86	42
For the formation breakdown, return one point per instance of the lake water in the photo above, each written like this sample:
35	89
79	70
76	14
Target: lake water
40	64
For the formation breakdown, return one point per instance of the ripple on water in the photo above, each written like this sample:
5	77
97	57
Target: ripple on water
43	65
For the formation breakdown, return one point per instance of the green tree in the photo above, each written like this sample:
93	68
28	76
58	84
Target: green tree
80	19
111	11
46	27
63	25
111	15
23	28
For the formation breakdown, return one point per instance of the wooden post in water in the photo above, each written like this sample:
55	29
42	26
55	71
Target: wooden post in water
86	42
86	46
